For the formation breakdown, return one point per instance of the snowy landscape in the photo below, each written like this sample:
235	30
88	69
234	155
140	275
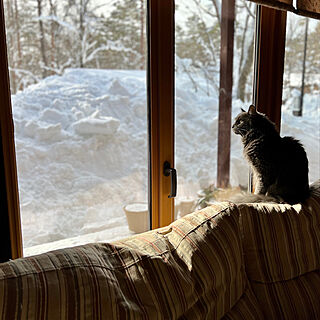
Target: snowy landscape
81	142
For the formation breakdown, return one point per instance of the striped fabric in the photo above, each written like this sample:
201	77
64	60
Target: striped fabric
293	299
247	308
193	269
281	242
281	246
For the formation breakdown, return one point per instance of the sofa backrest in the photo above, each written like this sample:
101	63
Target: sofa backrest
194	268
281	246
281	241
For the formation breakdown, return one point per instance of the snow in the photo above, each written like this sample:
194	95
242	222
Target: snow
94	126
81	142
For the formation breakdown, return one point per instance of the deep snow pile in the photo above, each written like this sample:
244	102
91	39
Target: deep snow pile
81	142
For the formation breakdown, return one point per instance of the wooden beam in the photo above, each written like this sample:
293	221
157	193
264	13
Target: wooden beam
10	228
5	251
269	62
161	108
225	93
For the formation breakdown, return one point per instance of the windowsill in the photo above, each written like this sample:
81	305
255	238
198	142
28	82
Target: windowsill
107	235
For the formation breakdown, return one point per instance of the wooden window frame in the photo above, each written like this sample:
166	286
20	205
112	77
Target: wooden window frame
161	108
10	228
269	54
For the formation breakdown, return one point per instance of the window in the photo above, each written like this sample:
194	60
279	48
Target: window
198	42
78	80
195	96
301	88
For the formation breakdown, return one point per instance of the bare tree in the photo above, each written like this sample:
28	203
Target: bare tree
10	40
17	29
142	26
245	71
246	50
217	6
53	13
214	14
42	40
83	11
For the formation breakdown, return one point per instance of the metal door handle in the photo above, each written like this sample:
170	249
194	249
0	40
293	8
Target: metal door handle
167	171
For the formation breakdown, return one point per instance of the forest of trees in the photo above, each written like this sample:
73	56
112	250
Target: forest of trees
45	37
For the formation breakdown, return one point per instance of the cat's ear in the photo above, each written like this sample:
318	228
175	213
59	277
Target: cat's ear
242	110
252	109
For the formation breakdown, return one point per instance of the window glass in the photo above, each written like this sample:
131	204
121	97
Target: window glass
301	88
78	82
198	35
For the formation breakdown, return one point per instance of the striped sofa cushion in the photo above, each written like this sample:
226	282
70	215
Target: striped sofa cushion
280	241
191	270
207	274
246	308
292	299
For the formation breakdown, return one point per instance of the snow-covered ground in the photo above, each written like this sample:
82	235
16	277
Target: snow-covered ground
81	142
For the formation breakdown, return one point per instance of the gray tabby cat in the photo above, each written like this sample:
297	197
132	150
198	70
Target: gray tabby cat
279	165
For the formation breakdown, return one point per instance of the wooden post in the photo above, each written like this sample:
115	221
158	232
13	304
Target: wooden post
269	62
225	93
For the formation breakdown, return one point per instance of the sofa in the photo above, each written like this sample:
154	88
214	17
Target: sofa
227	261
